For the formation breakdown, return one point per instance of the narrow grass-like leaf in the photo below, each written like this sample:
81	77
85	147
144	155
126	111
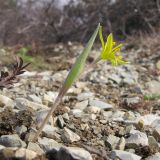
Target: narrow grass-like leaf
80	62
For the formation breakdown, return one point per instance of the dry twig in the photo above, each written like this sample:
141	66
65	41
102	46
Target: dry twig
7	79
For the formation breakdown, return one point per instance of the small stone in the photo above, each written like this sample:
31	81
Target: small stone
81	84
92	117
128	81
5	101
50	132
76	112
86	117
12	141
46	100
129	116
40	116
25	153
17	153
35	98
69	136
131	101
153	144
107	114
81	105
93	109
118	115
129	128
148	119
74	152
74	90
48	144
35	147
45	81
121	131
21	129
29	136
67	109
85	127
45	73
8	152
85	96
96	130
137	138
154	157
130	150
156	123
100	104
156	134
124	74
65	117
24	104
153	87
50	96
122	143
112	142
115	78
60	121
123	155
28	74
103	121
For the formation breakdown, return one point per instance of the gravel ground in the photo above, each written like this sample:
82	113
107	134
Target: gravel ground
111	113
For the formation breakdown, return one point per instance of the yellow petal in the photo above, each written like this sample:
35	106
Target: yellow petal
109	44
108	47
101	36
115	48
120	61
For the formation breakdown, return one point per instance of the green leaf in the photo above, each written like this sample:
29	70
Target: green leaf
80	62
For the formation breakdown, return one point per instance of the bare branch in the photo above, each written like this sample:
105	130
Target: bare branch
7	79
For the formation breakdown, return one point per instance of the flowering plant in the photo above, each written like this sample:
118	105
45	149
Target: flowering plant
107	53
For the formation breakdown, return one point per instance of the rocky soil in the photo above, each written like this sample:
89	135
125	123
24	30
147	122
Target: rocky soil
111	113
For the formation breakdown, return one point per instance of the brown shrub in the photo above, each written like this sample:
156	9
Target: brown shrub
47	24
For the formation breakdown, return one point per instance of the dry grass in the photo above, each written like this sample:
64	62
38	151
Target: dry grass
148	41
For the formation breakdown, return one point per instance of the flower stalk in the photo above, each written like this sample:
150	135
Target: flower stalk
107	53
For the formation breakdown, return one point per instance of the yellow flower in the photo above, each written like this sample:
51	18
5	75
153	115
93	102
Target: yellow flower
108	50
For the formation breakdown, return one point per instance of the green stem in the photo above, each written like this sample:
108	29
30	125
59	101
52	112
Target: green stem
56	103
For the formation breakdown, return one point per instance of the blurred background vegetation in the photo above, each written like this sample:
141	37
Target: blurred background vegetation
43	32
37	22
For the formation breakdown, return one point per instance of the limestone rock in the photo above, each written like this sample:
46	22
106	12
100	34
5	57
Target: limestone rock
21	129
123	155
48	144
136	139
70	136
100	104
35	147
12	141
17	153
6	101
85	96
